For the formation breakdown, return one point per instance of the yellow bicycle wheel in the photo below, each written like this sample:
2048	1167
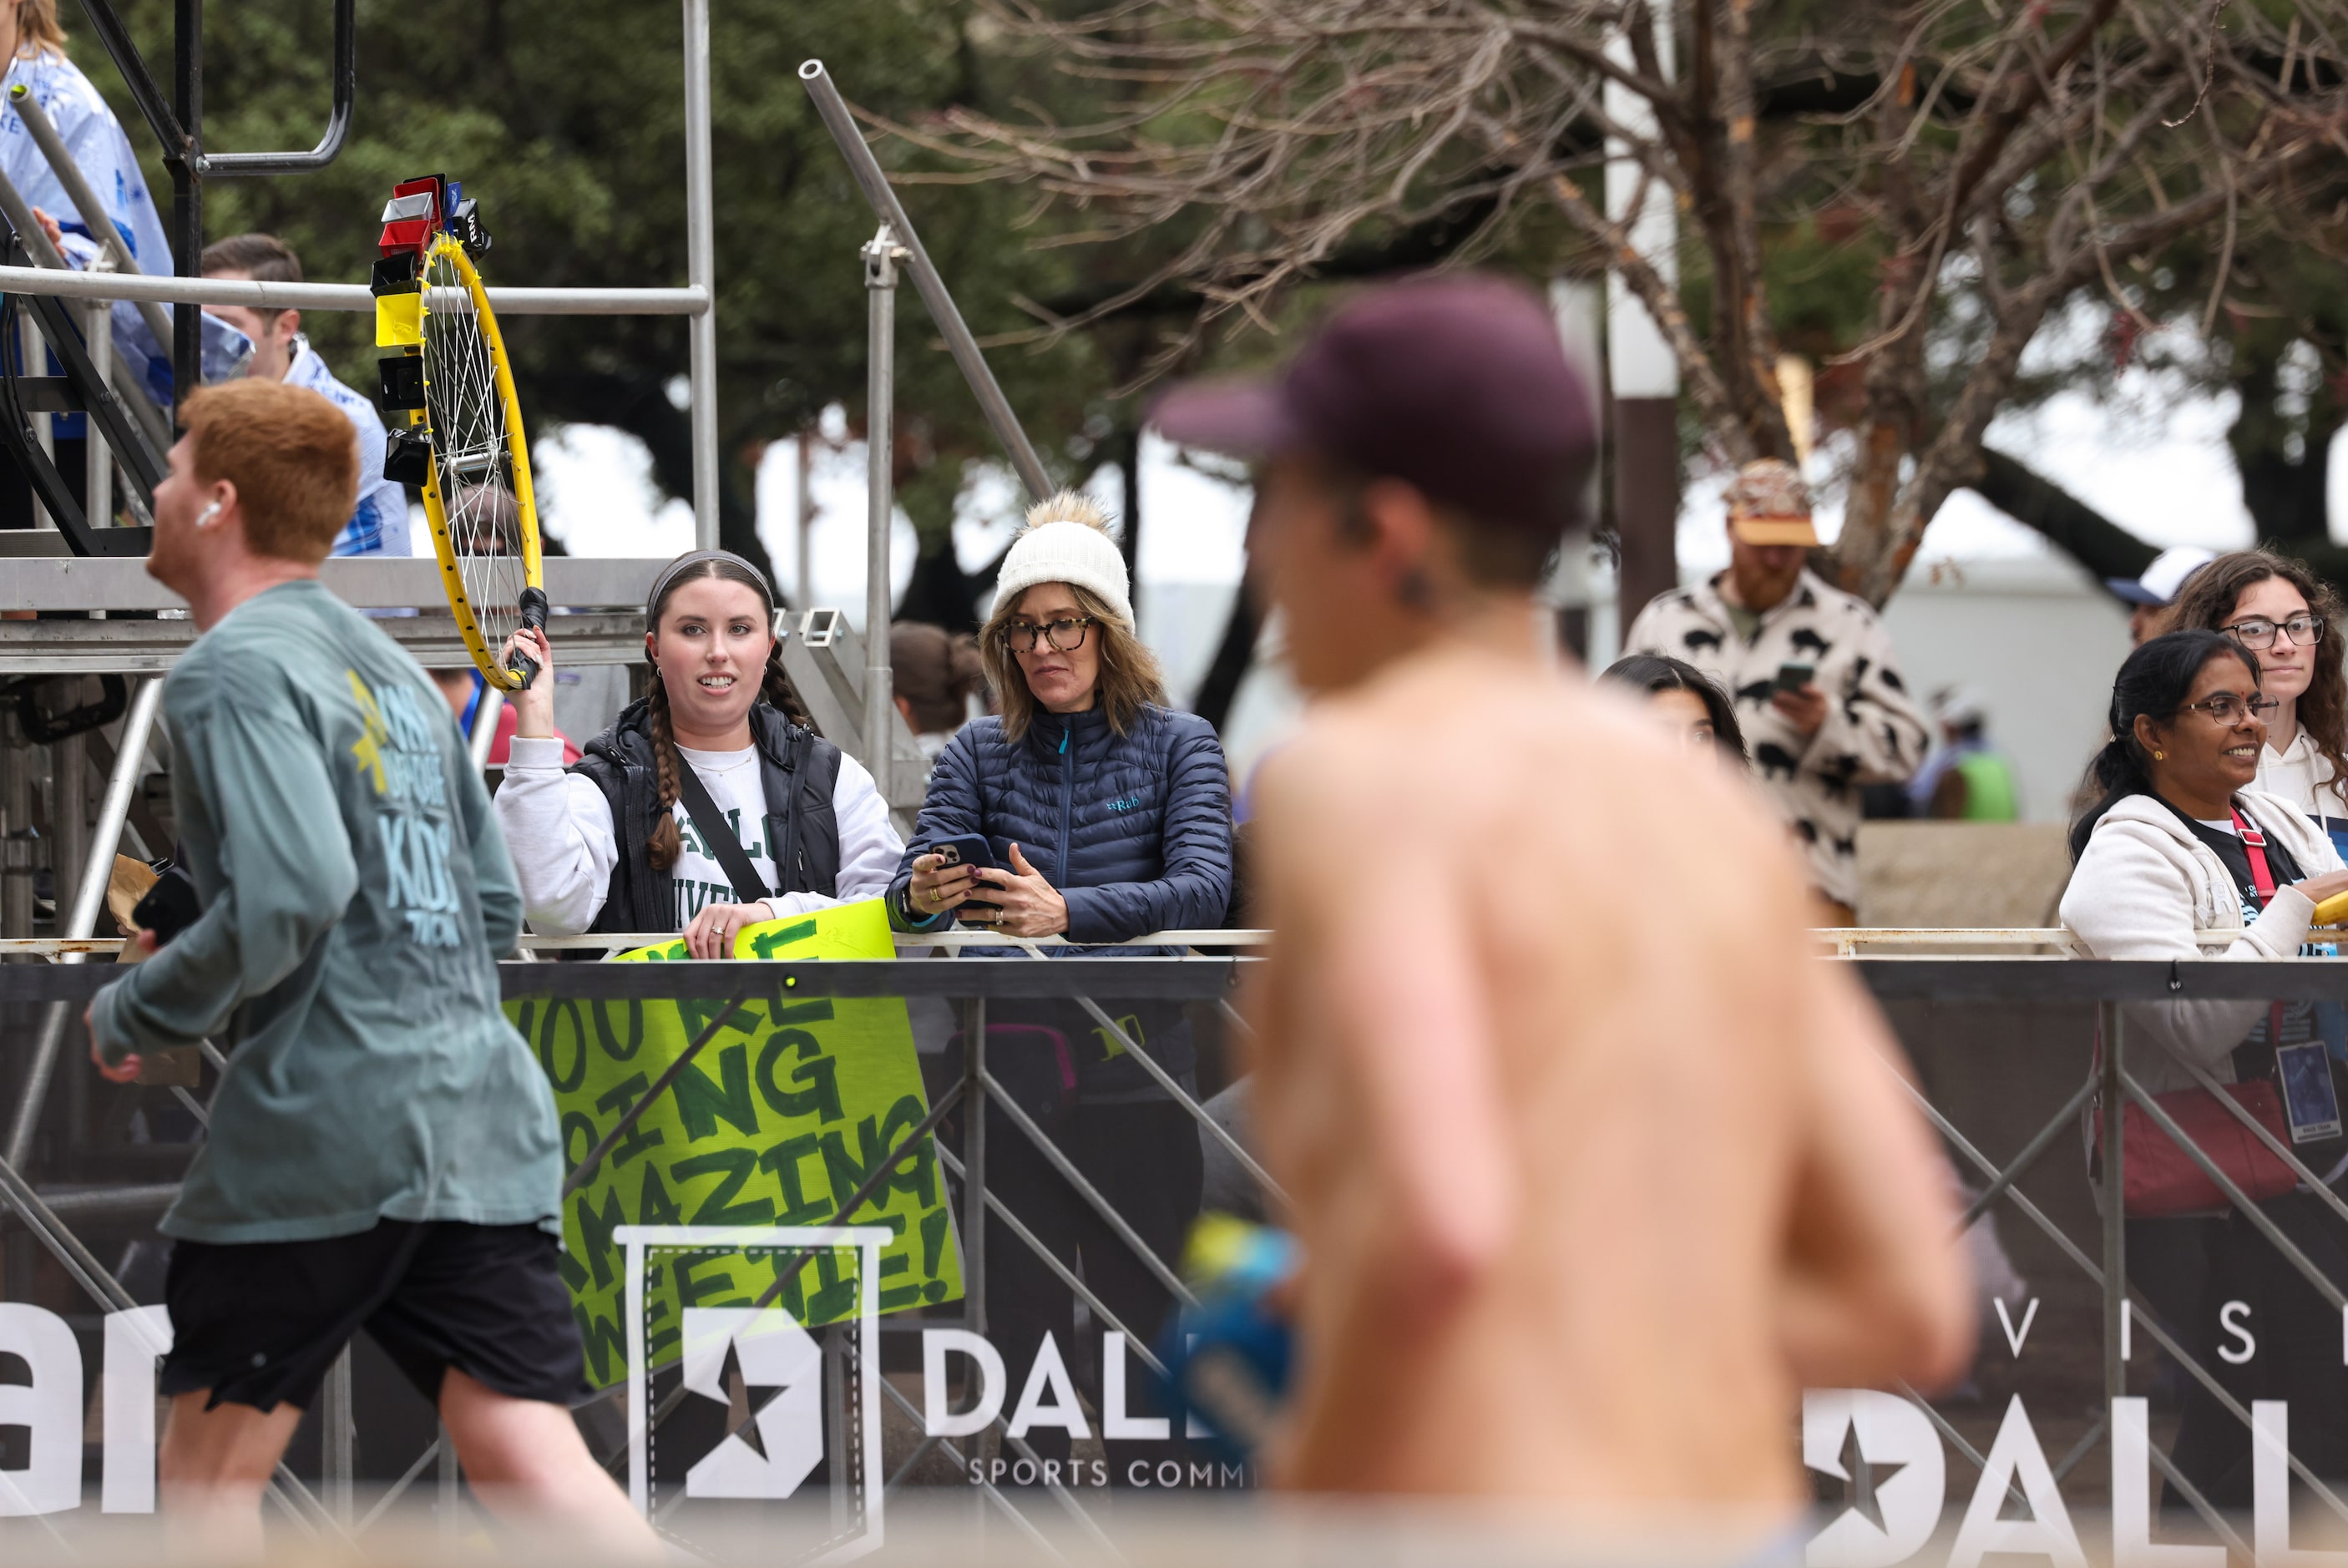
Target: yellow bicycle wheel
476	490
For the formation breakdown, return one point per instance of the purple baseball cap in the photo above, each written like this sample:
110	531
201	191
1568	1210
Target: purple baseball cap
1457	384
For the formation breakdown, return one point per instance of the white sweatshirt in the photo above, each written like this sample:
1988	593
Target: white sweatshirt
2300	774
558	827
2144	884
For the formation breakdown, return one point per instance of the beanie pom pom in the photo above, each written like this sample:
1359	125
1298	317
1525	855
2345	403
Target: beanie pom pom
1068	506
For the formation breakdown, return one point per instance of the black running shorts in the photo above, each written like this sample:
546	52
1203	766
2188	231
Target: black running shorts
260	1323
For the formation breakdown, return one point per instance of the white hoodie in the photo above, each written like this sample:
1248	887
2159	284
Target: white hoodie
2144	884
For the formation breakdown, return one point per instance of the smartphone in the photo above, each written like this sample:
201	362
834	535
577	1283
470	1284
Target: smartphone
169	907
2309	1103
964	849
1793	676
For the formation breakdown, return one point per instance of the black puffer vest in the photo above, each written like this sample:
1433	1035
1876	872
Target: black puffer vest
798	770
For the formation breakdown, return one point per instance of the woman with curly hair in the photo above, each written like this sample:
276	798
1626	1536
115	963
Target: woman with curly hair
2287	617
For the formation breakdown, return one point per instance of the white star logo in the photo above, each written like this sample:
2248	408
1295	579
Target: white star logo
735	1355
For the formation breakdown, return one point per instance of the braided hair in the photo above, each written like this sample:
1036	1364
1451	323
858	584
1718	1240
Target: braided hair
2153	683
665	843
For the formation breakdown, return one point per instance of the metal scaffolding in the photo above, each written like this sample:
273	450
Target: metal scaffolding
139	629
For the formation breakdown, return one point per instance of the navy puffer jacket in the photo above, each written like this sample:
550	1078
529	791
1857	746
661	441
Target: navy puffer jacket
1133	830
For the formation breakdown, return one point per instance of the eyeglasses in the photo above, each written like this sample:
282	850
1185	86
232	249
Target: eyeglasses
1065	636
2225	707
2258	632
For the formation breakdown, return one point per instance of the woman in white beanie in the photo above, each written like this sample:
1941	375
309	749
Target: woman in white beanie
1107	817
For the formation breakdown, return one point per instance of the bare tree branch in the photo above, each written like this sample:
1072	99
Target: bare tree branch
2000	158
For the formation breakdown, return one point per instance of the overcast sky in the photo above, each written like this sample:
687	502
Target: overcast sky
2151	457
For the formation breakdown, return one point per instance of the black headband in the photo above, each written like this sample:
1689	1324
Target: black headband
670	572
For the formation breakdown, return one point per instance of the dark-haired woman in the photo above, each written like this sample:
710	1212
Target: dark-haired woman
2285	613
2181	843
613	842
1683	698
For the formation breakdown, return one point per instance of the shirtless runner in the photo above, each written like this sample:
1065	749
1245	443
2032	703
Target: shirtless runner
1594	1164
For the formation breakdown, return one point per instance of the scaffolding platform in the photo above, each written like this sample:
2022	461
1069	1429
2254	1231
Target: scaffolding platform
603	597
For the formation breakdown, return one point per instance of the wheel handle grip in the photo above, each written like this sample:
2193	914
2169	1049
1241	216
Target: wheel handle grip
533	607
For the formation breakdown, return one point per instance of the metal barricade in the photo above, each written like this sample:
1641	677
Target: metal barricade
717	994
2012	1123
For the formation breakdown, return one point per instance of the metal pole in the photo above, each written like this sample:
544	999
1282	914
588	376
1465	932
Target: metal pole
353	297
485	724
959	341
98	486
187	193
129	764
701	271
16	845
33	360
19	213
2115	1175
69	818
44	256
330	145
805	591
973	1189
85	200
881	258
974	1166
90	895
835	1386
336	1433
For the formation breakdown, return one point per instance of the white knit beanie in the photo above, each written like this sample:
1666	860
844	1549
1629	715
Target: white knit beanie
1067	541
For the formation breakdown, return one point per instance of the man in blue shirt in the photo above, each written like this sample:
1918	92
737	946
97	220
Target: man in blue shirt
280	353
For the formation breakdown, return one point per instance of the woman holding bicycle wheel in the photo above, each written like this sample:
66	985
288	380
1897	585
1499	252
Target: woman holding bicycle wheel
708	805
1105	816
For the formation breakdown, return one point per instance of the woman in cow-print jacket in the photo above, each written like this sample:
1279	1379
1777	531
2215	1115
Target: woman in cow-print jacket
1853	725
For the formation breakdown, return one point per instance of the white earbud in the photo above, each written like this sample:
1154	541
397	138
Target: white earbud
204	518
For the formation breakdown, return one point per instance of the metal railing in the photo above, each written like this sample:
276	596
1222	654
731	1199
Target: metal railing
720	989
349	297
2111	992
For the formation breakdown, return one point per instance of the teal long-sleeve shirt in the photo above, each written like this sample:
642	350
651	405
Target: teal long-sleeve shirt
357	894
